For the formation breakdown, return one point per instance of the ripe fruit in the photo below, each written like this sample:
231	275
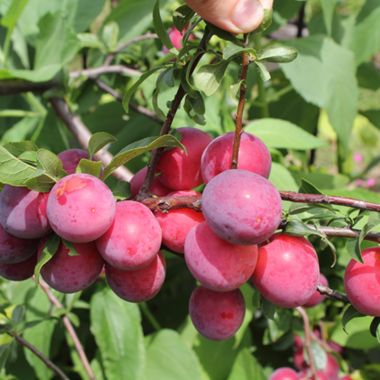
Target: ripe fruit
287	271
180	170
20	271
253	156
317	297
177	223
80	208
70	274
138	179
23	212
216	315
14	250
134	238
217	264
241	207
139	285
70	159
362	282
284	373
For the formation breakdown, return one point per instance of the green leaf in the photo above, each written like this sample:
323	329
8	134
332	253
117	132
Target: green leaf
110	35
90	167
116	326
375	328
70	246
328	7
349	314
231	50
195	107
246	367
182	16
98	141
263	71
50	248
139	147
169	358
297	228
268	308
19	147
308	188
159	26
51	164
278	54
209	77
121	191
282	178
278	133
319	356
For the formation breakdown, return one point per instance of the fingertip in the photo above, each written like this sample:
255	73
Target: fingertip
248	15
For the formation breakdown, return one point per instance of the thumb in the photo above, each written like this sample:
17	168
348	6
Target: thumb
235	16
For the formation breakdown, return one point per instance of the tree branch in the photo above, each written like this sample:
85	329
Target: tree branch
331	293
12	87
39	354
70	330
96	72
83	135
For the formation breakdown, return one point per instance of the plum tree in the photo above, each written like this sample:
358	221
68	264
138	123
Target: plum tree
138	285
137	181
70	274
241	207
20	271
253	156
317	297
80	208
70	159
284	373
134	238
177	223
362	282
216	263
23	212
216	315
287	271
185	165
14	250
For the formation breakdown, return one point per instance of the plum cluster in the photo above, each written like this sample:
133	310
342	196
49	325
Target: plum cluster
232	241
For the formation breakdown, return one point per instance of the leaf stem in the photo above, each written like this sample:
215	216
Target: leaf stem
149	316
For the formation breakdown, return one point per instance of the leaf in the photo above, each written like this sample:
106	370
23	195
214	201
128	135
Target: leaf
19	147
208	77
51	164
278	54
121	191
375	328
263	71
297	228
169	358
116	327
70	246
195	107
159	26
308	187
182	16
90	167
328	7
268	308
98	141
139	147
231	50
246	367
349	313
110	35
319	356
50	248
281	178
277	133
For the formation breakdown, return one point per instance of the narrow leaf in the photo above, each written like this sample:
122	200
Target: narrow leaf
50	248
278	54
159	26
263	71
182	16
98	141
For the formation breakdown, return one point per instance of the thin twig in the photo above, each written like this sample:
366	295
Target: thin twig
156	154
98	71
11	87
331	293
39	354
70	329
240	108
83	135
308	337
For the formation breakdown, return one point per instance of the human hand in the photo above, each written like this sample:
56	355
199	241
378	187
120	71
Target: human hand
235	16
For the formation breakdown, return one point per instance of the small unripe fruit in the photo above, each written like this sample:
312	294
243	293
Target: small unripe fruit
134	238
23	212
70	159
216	263
253	156
139	285
362	282
317	297
284	373
20	271
287	271
216	315
157	187
80	208
241	207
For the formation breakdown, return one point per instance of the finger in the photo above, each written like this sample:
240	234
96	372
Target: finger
235	16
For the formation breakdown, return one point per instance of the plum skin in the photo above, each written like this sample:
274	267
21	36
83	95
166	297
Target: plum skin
70	274
253	156
180	170
317	297
216	315
80	208
287	271
134	238
139	285
20	271
177	223
362	282
23	212
70	159
217	264
284	373
156	188
14	250
241	207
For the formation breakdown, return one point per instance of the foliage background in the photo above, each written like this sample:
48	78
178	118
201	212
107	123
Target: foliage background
320	116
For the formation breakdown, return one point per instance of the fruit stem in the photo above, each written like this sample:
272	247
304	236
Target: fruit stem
241	105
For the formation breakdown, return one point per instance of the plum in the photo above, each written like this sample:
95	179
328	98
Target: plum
138	179
284	373
70	159
20	271
317	297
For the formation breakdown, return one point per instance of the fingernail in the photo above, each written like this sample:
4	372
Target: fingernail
248	15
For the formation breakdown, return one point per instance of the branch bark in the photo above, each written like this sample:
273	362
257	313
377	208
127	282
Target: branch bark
12	87
331	293
96	72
